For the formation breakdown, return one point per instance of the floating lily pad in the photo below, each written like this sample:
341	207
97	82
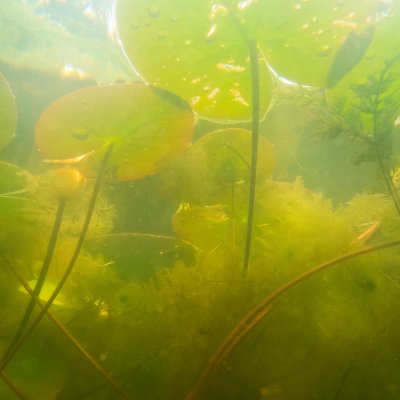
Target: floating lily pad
300	39
194	49
146	125
32	40
137	256
13	180
8	113
198	49
221	159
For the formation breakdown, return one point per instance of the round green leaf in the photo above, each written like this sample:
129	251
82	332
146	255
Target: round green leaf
146	125
300	39
221	159
196	50
8	113
13	180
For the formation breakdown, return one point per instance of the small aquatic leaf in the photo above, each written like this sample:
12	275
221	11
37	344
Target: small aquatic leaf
8	113
13	180
349	55
147	126
47	290
380	52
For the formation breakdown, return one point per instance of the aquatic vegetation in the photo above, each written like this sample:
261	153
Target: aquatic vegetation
249	283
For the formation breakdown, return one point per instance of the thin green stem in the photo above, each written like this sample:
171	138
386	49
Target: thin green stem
92	361
39	284
376	139
256	315
71	264
388	181
255	124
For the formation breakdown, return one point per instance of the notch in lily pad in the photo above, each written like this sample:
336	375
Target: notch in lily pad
146	126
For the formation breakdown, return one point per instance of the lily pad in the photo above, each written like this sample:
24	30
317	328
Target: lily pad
13	180
199	49
300	39
8	113
137	256
32	40
220	160
146	125
194	49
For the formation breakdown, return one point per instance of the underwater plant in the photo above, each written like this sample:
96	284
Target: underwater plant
188	306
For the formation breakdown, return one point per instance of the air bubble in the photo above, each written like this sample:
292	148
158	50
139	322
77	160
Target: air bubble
135	25
80	134
154	11
324	51
174	18
230	67
244	4
194	100
213	93
212	31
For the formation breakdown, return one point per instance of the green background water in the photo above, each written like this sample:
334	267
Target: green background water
158	104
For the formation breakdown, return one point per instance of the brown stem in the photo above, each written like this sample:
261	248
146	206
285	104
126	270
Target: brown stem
257	314
92	361
71	265
39	284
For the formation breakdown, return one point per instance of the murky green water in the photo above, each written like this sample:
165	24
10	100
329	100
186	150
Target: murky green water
199	200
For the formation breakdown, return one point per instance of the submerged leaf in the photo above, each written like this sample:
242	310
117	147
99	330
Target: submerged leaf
146	125
349	55
137	256
13	180
220	160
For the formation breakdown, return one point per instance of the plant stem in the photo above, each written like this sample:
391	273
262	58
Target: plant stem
255	123
39	284
17	391
388	181
66	333
71	264
257	314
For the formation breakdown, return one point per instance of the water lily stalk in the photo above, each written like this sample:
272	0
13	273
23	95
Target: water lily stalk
61	327
257	314
39	284
71	264
11	384
255	124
